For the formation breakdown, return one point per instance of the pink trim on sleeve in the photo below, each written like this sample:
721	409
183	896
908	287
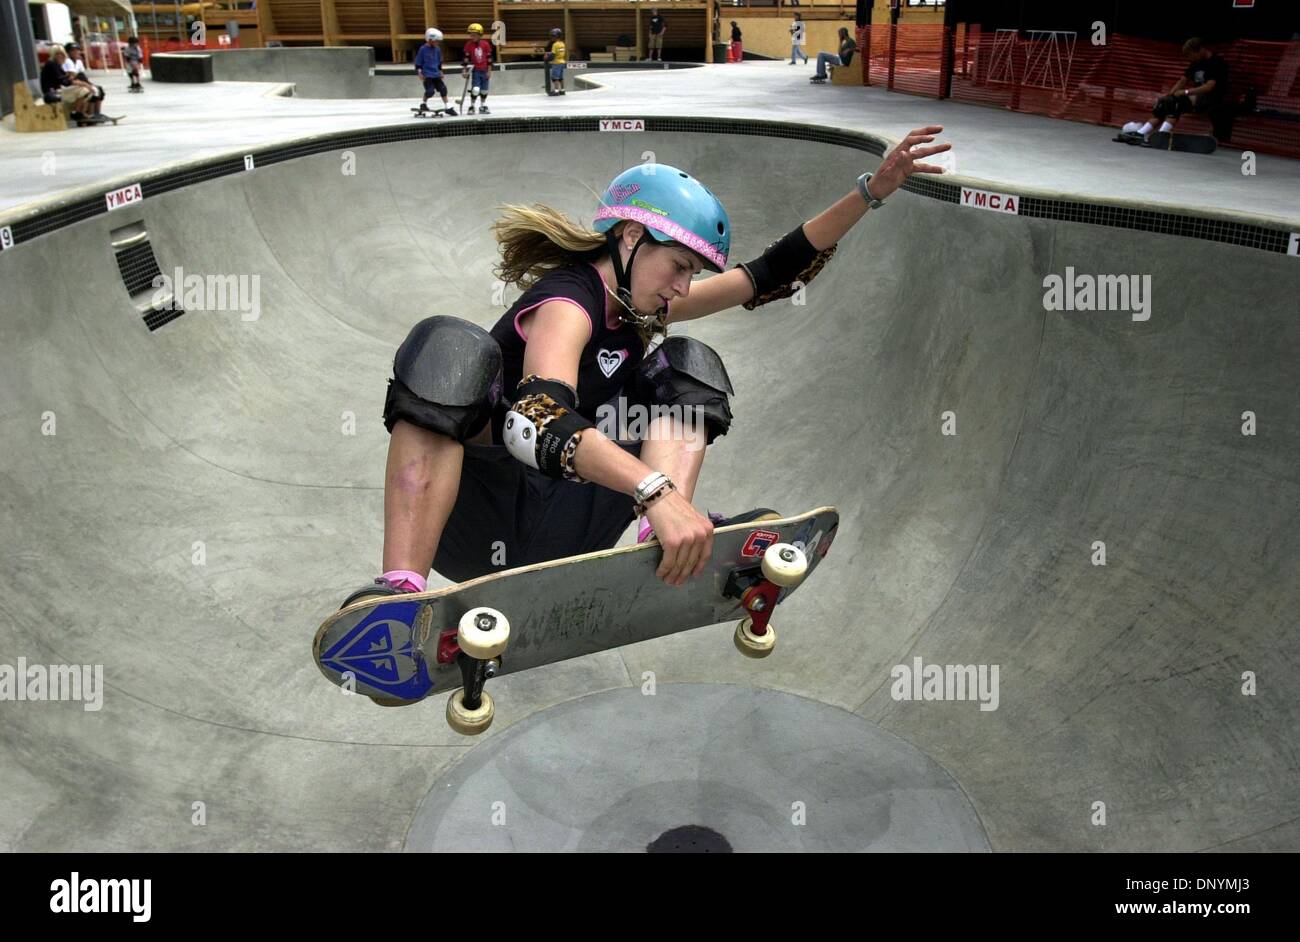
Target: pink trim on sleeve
522	312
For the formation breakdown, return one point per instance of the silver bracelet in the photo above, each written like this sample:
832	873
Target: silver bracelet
654	486
641	508
872	202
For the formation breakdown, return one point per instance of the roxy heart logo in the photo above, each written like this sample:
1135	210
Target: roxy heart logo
610	361
380	653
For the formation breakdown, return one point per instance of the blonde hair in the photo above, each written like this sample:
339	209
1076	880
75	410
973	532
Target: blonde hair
538	239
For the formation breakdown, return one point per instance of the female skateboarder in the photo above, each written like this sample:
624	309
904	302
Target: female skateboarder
495	460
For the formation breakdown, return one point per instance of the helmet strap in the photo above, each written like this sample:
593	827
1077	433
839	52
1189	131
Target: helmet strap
623	293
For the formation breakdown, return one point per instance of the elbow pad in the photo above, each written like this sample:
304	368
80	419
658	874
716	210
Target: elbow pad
787	260
543	427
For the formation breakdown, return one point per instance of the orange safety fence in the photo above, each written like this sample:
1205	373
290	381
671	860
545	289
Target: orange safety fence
104	54
863	38
217	41
1063	75
909	58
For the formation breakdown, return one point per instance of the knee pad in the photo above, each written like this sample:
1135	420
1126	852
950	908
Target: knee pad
684	372
446	378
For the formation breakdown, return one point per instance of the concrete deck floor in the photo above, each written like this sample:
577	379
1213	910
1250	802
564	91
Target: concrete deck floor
172	123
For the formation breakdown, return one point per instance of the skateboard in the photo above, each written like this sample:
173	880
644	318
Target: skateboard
434	112
98	119
399	649
1164	140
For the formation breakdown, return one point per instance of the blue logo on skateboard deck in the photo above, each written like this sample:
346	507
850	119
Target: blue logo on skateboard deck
379	653
758	542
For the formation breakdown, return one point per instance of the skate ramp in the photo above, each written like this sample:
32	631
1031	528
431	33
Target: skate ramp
183	506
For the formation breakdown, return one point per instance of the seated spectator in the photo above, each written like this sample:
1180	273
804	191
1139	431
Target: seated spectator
57	87
1203	89
75	67
847	49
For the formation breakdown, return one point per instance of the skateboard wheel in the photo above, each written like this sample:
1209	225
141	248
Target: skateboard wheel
752	645
469	722
483	633
784	564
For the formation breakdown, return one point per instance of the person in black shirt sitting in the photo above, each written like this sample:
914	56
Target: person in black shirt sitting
1203	89
57	87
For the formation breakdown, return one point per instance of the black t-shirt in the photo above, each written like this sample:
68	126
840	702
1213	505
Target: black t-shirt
51	76
847	49
1201	71
656	25
609	358
735	34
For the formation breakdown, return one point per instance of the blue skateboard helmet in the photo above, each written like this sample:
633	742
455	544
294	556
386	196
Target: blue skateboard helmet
673	206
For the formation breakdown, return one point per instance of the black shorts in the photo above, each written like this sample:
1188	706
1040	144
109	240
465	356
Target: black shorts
1176	107
434	86
509	515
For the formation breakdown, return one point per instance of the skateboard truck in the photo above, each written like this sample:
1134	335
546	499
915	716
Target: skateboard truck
480	638
758	589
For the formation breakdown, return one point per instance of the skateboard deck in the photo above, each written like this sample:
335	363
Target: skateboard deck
399	649
1163	140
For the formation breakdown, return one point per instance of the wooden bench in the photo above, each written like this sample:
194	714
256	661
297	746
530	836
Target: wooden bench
850	74
33	114
521	49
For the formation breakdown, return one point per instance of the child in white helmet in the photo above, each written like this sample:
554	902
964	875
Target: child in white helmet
428	65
